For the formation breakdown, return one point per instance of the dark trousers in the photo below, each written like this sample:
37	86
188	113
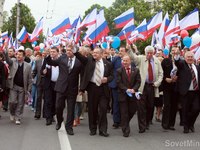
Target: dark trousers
60	106
191	106
127	110
116	108
170	108
40	93
50	101
148	96
141	114
97	108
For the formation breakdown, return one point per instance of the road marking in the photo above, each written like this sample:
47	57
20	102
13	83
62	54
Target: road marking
63	138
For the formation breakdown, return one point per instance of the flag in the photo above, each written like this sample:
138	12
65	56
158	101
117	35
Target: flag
154	39
100	29
77	31
163	29
75	22
173	28
15	45
126	31
60	26
191	21
139	33
90	19
124	18
37	30
23	35
154	23
4	35
10	43
195	46
174	39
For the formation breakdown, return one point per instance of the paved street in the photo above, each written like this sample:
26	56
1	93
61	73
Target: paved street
35	135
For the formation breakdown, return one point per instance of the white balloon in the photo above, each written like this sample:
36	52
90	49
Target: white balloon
41	45
195	39
33	45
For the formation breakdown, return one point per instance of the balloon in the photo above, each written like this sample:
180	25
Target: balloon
41	45
166	52
35	42
187	41
116	42
184	33
195	39
104	45
33	45
37	48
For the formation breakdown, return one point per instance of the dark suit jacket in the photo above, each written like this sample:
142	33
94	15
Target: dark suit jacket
89	63
185	76
2	76
46	77
66	79
124	84
37	71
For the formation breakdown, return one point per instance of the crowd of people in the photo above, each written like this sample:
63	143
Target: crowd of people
99	80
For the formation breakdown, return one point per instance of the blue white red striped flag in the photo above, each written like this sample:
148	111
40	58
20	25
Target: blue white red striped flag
23	35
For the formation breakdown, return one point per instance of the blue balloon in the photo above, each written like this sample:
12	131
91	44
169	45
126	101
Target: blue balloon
116	42
35	42
187	41
104	45
166	52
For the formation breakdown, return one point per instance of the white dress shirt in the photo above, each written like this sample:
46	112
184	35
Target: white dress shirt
101	68
54	73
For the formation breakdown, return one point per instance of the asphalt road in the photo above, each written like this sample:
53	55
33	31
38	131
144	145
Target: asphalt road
35	135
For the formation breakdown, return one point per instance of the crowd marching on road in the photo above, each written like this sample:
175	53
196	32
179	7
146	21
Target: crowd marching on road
100	81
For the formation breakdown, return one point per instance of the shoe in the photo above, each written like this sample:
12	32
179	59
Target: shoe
125	134
186	130
17	122
37	117
142	131
70	131
12	118
58	126
93	133
48	122
171	128
105	134
115	125
81	117
192	129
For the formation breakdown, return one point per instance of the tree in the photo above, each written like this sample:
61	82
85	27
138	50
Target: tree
26	19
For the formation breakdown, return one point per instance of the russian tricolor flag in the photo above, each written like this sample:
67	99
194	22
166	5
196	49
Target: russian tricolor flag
163	29
100	29
126	31
10	43
37	30
191	21
23	35
77	31
61	26
4	35
154	23
124	18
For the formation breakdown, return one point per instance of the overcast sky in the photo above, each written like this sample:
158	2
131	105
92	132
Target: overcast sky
57	8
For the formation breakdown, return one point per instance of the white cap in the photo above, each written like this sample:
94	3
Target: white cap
21	48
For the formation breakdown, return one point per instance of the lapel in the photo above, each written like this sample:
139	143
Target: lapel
105	67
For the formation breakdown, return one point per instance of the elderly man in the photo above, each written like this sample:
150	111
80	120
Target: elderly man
188	87
151	78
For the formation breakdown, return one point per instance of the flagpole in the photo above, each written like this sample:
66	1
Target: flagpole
18	17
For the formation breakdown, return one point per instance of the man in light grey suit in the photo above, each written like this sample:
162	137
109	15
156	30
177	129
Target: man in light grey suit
20	82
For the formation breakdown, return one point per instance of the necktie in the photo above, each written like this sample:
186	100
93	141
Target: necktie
70	65
150	72
128	72
194	81
97	73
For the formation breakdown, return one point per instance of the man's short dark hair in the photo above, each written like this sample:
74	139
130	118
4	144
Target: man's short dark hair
22	51
55	48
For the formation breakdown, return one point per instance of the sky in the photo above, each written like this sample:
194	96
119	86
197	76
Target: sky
53	10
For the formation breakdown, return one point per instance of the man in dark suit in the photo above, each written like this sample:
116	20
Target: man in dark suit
128	80
39	84
188	86
66	87
97	75
50	74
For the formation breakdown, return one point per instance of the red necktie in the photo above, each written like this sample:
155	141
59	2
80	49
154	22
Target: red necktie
128	72
150	72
